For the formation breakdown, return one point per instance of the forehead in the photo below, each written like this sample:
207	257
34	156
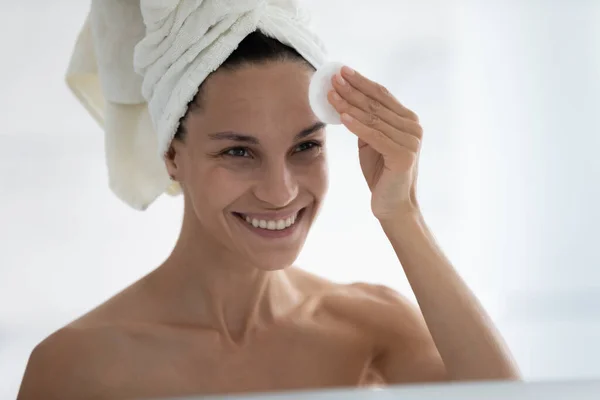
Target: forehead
259	92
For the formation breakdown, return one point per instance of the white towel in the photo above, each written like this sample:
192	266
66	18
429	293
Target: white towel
138	63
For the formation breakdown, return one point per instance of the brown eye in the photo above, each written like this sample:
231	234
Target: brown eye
237	152
306	146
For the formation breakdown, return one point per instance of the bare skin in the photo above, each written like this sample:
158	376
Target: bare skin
227	313
321	335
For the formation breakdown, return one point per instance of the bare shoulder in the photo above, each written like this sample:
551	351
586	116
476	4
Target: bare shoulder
358	300
404	349
377	307
72	363
78	360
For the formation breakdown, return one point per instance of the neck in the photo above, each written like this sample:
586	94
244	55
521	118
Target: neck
213	288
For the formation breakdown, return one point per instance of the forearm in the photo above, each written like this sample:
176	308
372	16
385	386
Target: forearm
464	335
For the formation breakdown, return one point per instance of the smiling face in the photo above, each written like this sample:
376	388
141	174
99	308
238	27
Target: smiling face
252	165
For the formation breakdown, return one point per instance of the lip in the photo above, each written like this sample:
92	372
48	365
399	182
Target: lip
272	234
274	216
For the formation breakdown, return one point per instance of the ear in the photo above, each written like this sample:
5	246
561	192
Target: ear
172	160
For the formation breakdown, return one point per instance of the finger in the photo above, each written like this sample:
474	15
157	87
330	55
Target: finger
377	92
376	109
379	141
409	141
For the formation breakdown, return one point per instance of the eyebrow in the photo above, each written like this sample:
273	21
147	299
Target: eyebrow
244	138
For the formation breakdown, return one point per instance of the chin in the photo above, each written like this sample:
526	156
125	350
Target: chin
275	246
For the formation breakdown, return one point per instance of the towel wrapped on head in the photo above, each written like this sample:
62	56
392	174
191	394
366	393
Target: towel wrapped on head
138	63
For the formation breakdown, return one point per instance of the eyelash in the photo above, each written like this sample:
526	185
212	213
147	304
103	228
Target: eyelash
313	145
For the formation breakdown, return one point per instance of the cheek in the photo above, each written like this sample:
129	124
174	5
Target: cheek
315	178
216	189
324	178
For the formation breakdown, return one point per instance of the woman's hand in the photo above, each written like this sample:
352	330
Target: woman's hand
389	141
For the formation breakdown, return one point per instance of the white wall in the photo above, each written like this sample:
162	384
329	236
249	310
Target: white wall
507	92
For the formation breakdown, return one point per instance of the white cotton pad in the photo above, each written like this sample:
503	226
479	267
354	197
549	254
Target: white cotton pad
320	85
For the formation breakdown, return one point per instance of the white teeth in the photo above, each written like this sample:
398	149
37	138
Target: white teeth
271	224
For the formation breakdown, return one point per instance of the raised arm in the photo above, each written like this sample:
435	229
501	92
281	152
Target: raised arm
389	142
462	332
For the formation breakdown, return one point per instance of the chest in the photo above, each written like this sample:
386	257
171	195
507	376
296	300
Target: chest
291	359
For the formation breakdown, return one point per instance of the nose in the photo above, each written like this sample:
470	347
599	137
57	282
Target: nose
277	186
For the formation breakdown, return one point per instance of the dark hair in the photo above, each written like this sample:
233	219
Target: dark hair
256	48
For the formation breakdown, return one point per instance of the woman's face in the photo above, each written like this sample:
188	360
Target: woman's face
252	165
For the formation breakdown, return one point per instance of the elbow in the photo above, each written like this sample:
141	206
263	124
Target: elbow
511	375
508	371
506	376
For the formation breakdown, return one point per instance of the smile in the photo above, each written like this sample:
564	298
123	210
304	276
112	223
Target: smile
271	227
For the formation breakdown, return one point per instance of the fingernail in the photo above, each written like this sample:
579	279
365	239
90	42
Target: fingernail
340	80
346	118
336	96
348	70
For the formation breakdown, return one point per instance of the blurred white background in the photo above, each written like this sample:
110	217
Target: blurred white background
507	91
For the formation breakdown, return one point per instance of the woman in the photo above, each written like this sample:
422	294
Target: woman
227	312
